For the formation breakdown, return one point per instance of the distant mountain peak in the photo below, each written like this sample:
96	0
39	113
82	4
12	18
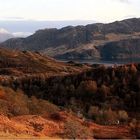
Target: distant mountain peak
4	35
4	31
84	42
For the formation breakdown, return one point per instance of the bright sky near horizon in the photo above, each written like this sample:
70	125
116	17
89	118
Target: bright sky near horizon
97	10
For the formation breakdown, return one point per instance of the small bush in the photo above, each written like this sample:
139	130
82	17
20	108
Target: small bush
123	116
138	130
57	117
75	130
93	112
133	69
104	91
17	103
107	116
37	126
87	87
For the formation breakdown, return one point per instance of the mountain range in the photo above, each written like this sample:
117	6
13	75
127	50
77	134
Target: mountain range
117	40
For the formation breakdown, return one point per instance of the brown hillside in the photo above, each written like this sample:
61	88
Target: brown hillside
23	117
16	63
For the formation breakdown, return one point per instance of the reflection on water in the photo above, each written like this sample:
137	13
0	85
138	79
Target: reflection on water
106	62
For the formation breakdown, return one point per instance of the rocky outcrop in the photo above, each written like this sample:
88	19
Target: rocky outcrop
124	49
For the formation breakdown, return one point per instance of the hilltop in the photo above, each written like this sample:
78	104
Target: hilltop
20	63
85	42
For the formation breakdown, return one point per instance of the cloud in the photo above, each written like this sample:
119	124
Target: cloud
4	31
124	1
5	34
22	34
13	18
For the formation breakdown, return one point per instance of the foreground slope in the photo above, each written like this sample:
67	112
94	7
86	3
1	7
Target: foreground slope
23	127
23	117
83	42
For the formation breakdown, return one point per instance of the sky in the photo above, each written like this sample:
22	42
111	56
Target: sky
99	10
38	11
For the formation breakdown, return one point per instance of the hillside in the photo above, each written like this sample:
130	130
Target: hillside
23	117
42	97
16	63
84	42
